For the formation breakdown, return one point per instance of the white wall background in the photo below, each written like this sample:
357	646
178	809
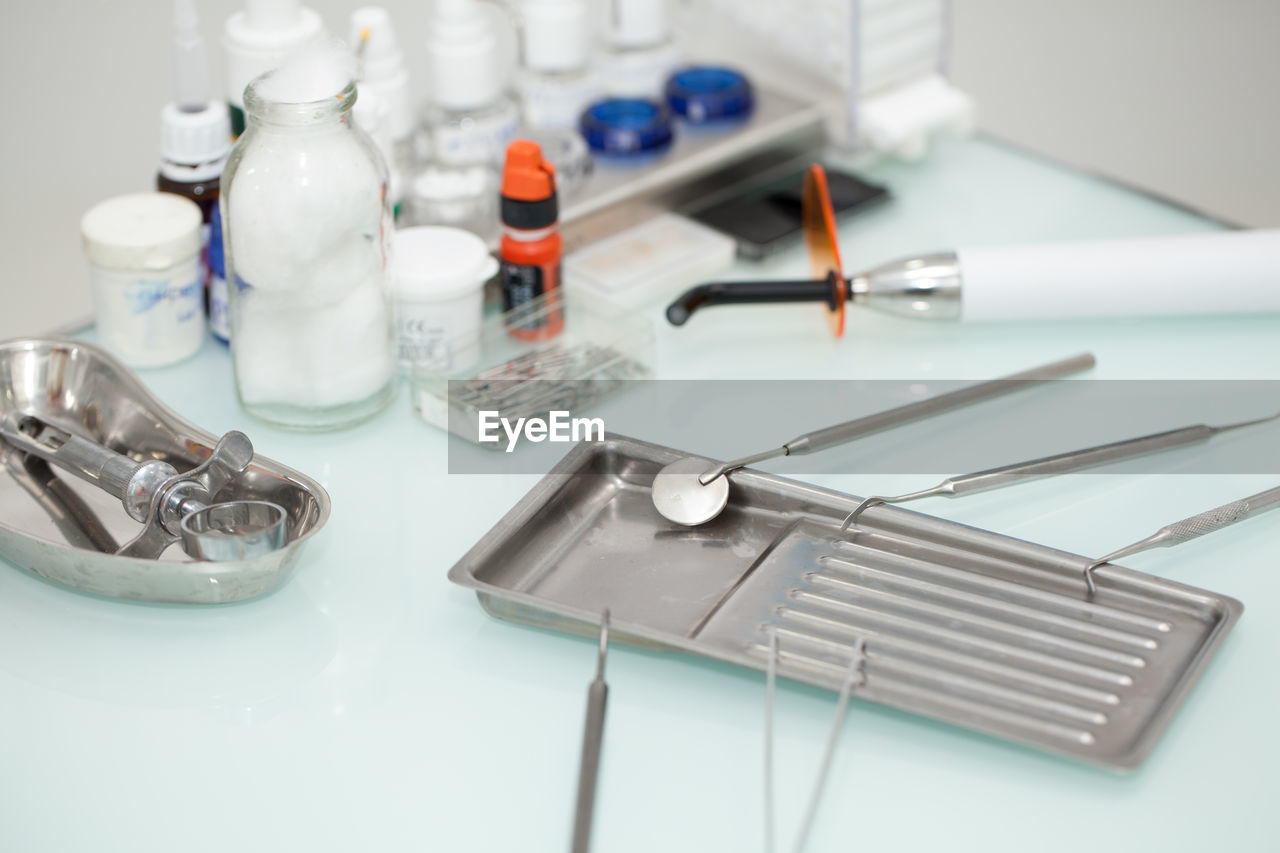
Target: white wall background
1174	95
1178	97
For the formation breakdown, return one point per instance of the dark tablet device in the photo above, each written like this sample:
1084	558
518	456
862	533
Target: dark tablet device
763	219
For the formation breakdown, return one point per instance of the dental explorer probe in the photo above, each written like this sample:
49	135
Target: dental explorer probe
1062	463
689	492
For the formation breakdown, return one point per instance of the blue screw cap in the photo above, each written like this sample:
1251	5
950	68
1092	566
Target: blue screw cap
624	126
708	93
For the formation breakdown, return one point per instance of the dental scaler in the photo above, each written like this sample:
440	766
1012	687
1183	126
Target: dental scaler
1235	272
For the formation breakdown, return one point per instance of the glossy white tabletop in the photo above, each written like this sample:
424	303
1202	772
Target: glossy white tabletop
371	705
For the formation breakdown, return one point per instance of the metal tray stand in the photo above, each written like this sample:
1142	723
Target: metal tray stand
958	624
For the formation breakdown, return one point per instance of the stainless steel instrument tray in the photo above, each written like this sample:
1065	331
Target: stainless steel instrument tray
961	625
60	528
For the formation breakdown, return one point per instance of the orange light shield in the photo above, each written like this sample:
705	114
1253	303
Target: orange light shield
819	223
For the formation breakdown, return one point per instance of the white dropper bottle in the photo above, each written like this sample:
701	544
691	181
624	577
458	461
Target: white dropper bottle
380	67
467	123
470	117
555	81
259	39
641	52
383	107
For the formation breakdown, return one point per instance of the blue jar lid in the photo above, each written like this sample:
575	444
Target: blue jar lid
704	93
626	126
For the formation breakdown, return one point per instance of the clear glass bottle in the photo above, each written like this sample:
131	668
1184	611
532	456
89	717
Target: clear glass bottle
307	228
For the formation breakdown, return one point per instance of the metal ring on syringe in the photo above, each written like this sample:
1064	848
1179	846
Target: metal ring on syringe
235	530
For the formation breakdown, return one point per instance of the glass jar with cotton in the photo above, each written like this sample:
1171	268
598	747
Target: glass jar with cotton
307	229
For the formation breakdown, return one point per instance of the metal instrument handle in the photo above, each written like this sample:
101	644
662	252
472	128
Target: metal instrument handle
840	433
92	462
1216	519
592	741
1190	528
1074	460
589	770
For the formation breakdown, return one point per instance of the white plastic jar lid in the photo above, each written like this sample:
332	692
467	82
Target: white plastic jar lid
141	231
435	263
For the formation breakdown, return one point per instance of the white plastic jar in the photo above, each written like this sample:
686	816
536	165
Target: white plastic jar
439	285
144	252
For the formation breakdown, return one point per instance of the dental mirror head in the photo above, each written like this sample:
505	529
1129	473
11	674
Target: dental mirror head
235	530
680	496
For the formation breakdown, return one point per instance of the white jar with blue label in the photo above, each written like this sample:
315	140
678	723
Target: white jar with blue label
144	261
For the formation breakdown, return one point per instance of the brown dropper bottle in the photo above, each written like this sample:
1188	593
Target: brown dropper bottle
195	129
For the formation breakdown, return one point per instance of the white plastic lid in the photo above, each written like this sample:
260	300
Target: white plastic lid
637	23
462	55
262	36
434	262
141	231
556	34
194	145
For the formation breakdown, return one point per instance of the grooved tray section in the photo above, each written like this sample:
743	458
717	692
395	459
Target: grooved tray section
1008	650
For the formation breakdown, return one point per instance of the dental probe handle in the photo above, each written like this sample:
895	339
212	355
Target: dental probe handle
1074	460
880	421
1192	528
1206	522
859	427
589	771
1233	272
592	743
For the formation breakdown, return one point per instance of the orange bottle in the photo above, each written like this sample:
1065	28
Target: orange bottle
531	246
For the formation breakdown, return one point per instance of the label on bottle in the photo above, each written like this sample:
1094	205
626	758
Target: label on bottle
151	319
219	310
422	339
530	297
521	283
479	140
556	104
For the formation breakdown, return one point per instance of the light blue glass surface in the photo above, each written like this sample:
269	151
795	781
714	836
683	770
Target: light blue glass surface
370	705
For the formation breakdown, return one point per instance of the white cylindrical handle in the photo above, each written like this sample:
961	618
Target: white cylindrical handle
1235	272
